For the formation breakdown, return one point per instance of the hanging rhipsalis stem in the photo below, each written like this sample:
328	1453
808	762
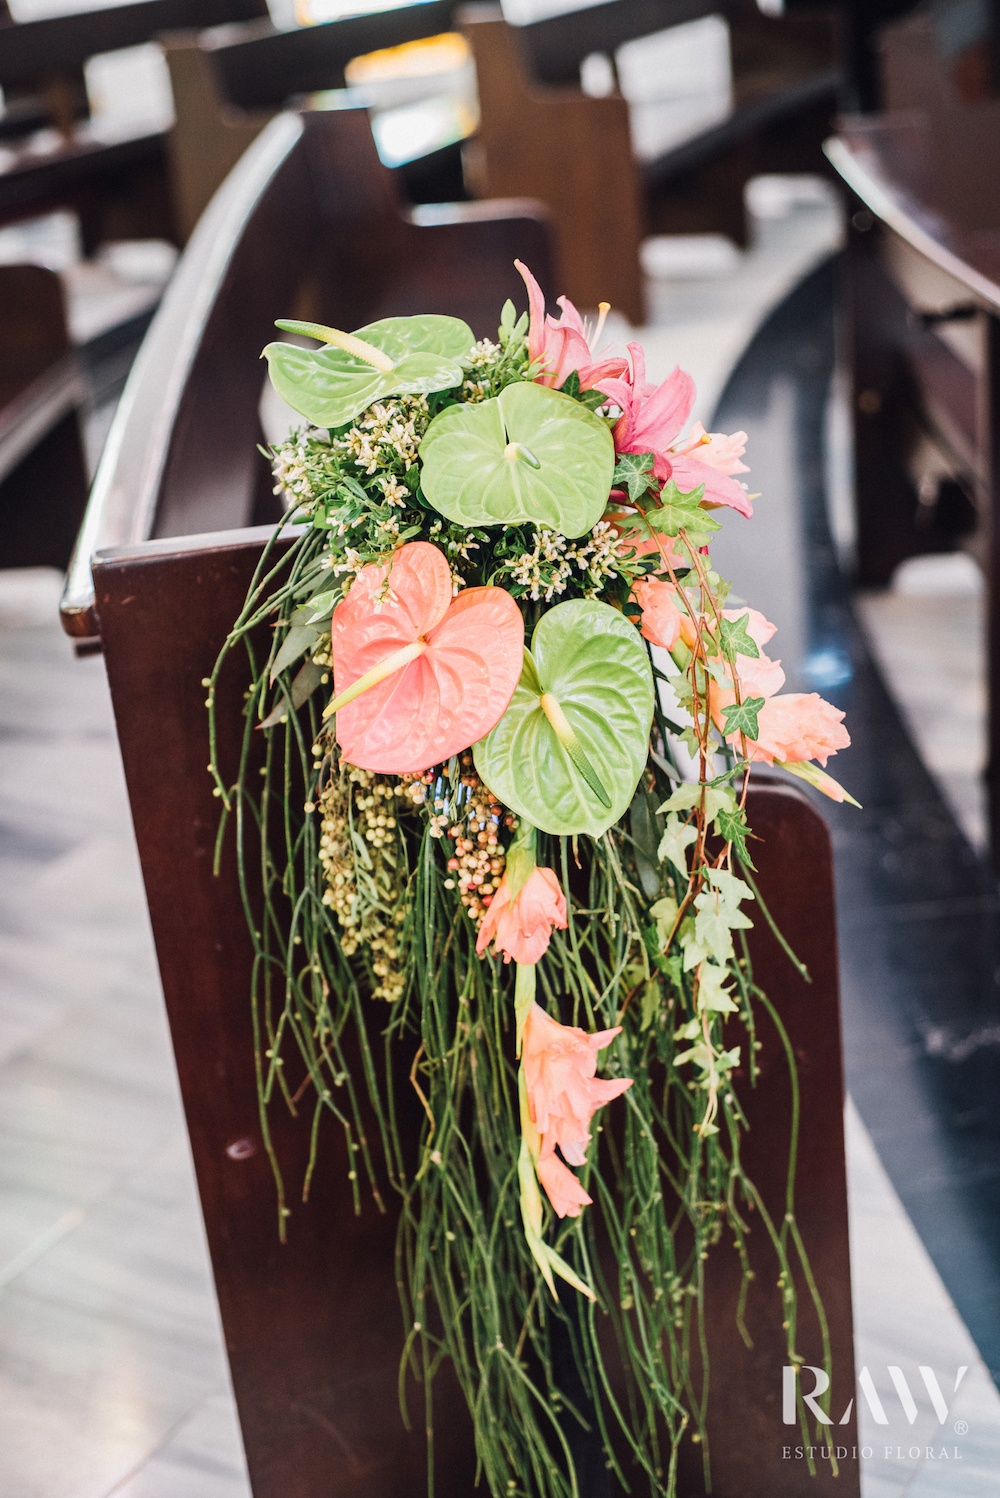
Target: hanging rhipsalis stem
507	715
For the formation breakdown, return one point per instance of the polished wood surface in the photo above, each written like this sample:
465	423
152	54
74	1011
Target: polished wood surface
312	1328
541	135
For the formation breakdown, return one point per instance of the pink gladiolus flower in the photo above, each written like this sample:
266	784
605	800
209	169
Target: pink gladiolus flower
652	419
662	619
564	1093
561	345
798	726
521	924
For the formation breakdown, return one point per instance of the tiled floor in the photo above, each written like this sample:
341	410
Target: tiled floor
112	1375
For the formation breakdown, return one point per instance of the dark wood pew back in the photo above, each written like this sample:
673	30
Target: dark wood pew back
261	67
541	134
307	224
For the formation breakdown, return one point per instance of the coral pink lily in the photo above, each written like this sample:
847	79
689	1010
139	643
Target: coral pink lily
561	345
652	419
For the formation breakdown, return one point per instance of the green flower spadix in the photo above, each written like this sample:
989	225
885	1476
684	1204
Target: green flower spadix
395	356
568	752
530	453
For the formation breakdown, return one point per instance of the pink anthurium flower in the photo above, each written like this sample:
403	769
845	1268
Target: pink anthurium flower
420	675
652	419
561	345
564	1093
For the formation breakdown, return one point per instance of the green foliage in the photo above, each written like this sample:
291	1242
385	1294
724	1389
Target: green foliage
330	386
741	717
677	511
634	473
736	640
529	454
588	658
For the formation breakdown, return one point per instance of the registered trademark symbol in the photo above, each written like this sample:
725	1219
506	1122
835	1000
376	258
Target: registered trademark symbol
961	1427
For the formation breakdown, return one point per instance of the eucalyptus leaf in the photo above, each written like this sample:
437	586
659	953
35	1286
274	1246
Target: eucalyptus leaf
307	679
299	639
589	662
528	454
332	385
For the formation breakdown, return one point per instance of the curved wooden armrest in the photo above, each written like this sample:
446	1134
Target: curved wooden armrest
123	499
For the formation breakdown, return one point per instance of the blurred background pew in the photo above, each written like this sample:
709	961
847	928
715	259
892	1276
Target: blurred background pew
641	116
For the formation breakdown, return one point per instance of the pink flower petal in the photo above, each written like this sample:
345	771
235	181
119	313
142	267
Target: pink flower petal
448	697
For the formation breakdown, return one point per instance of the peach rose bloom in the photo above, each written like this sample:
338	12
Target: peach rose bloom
521	924
799	726
661	617
564	1093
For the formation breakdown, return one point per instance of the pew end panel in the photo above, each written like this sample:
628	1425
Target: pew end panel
312	1327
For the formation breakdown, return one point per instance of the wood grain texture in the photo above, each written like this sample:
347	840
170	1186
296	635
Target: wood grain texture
312	1328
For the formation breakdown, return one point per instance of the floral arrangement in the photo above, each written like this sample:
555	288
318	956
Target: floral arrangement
505	713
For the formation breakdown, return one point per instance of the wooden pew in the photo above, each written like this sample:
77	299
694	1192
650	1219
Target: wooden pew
43	391
116	182
307	222
923	284
228	81
541	134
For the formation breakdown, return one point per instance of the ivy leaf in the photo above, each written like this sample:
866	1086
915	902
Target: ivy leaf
733	827
741	717
634	473
731	891
735	639
677	836
712	991
529	454
677	510
664	913
568	752
688	796
713	935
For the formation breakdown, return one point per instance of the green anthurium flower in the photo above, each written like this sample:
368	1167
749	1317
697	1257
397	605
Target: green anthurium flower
530	453
568	752
395	356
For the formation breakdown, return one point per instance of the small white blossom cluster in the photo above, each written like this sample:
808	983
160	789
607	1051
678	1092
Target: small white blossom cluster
484	356
291	475
387	437
546	569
